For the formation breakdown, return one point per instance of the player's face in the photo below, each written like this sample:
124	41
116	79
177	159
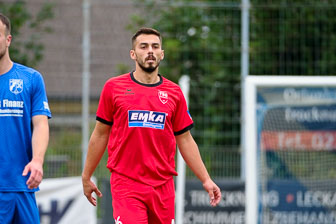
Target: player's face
5	40
147	52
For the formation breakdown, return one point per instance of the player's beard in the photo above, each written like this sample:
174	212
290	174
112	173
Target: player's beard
2	52
151	67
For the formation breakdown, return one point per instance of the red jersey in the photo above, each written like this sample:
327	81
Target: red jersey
145	119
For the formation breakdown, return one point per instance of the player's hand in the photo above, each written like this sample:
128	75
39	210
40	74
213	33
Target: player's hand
35	167
89	187
214	192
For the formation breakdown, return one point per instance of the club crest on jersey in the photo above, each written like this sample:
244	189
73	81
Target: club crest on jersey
163	96
16	85
146	119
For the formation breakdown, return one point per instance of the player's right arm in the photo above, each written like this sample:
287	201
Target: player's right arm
96	149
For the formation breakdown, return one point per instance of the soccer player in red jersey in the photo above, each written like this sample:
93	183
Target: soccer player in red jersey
141	117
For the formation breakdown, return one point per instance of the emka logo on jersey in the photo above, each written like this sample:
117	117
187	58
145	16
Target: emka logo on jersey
16	85
146	119
163	96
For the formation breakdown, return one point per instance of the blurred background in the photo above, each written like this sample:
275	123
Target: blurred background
201	39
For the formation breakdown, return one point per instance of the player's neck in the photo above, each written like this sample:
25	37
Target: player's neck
147	78
5	64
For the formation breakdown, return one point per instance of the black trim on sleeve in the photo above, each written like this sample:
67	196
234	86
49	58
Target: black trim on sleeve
184	130
104	121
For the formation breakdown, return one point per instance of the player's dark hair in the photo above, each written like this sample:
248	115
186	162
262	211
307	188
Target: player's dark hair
4	19
146	31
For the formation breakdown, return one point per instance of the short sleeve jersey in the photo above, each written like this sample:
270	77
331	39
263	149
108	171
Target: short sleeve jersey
145	120
22	96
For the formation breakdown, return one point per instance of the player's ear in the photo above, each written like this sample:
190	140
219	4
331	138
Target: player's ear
132	54
162	54
8	40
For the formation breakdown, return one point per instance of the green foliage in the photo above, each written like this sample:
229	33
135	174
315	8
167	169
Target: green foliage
192	42
27	31
122	68
293	38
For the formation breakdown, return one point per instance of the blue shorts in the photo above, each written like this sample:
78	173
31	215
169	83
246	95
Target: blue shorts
18	208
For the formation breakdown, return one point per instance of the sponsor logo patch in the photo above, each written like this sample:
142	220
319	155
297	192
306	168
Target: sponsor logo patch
46	105
16	85
146	119
129	92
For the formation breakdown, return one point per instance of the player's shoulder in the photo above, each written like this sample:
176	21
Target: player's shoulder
25	69
170	84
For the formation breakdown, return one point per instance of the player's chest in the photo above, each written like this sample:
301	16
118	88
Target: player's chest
144	99
14	97
13	89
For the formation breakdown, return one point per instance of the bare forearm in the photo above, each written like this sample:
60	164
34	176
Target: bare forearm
40	139
95	152
190	153
96	149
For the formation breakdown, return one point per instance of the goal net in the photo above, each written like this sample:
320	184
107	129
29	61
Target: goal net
290	151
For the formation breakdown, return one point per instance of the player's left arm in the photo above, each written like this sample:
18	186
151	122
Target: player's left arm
190	152
40	141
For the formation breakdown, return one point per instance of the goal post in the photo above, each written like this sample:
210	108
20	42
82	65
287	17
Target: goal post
290	150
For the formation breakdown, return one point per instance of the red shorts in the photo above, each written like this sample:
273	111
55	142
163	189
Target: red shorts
135	202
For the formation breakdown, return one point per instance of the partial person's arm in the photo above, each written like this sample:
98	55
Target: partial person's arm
96	149
190	153
40	141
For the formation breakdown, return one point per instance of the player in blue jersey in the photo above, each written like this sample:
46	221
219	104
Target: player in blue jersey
24	135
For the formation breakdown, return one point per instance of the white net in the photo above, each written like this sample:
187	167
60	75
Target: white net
296	154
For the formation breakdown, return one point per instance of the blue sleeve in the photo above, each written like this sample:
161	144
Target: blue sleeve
40	105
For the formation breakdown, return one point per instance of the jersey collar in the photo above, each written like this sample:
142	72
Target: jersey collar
148	85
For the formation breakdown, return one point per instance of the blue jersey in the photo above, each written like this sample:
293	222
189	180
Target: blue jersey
22	96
